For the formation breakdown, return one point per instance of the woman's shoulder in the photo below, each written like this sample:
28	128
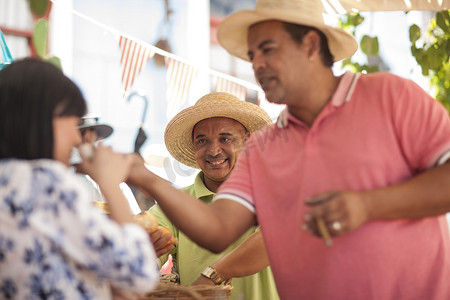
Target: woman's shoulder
30	165
32	176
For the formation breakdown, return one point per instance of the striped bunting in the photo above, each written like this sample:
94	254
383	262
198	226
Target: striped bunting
133	58
179	77
227	86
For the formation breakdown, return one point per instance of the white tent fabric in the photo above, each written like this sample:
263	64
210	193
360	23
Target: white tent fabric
348	6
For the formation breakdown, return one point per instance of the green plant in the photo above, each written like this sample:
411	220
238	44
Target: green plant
40	10
369	45
433	55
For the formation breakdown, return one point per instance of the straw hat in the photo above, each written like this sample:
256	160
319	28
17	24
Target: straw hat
232	32
178	133
103	130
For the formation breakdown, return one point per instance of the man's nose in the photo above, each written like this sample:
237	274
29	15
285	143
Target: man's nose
258	63
214	148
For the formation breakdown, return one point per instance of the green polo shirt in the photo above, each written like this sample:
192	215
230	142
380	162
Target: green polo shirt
192	259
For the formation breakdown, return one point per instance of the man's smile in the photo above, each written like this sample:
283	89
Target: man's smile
217	162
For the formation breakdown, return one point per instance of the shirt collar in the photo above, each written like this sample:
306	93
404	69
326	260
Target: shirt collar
342	95
200	188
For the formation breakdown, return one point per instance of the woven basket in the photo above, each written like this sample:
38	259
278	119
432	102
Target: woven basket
189	292
169	278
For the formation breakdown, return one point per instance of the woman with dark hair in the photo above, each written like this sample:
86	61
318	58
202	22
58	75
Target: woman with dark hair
53	243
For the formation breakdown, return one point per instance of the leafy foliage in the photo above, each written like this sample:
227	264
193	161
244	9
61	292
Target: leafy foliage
39	8
433	55
431	51
40	37
368	45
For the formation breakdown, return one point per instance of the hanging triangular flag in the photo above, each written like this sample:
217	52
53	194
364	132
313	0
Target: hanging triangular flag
227	86
179	77
133	58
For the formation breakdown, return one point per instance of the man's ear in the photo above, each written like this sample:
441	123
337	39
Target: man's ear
311	41
246	136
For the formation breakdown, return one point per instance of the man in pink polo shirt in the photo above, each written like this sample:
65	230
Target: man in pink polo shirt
358	160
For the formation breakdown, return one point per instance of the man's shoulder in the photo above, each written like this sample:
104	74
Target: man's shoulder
190	189
383	79
261	140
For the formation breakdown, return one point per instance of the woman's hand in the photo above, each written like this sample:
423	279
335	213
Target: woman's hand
105	165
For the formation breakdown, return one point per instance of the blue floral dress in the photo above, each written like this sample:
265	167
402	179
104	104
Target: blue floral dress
54	244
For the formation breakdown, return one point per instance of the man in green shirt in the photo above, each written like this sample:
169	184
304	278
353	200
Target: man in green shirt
209	136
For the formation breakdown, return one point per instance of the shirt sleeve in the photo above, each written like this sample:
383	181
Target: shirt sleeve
238	187
423	126
121	254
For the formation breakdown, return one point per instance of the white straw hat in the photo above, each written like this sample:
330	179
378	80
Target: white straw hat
232	32
178	133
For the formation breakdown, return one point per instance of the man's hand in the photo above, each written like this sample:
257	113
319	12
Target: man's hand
139	175
203	280
159	241
341	212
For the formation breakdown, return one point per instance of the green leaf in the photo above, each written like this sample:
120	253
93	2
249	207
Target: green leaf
369	45
443	21
54	60
355	19
425	66
372	69
434	58
38	7
414	33
40	37
415	52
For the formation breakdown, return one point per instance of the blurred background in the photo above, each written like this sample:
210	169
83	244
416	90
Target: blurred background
139	62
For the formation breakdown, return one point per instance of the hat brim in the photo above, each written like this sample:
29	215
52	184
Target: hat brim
103	130
178	133
232	32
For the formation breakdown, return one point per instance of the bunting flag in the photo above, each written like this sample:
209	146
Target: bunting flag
179	77
227	86
133	58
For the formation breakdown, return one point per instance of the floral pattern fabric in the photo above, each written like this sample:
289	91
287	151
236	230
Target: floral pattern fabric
55	244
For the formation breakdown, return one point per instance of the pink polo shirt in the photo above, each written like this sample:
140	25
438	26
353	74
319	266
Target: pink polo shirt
377	130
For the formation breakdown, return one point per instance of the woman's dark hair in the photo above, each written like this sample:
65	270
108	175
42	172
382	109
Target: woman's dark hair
297	32
32	93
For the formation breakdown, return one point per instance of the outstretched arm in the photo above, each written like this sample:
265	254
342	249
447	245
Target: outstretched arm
248	258
213	226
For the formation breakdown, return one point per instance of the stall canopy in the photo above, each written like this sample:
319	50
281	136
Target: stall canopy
348	6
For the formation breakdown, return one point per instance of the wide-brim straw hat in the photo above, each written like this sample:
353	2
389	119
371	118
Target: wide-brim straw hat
232	32
178	133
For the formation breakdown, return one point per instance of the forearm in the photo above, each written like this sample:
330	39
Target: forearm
248	258
117	203
207	225
427	194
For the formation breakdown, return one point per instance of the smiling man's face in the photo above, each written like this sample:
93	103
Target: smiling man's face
217	143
